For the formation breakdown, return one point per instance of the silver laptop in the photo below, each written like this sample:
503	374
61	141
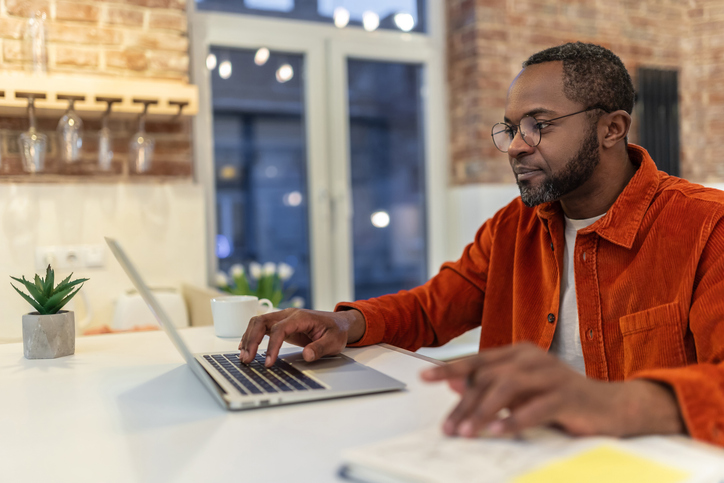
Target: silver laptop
239	386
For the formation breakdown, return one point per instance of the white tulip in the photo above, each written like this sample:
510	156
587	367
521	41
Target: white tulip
237	270
255	270
297	302
269	268
222	280
285	271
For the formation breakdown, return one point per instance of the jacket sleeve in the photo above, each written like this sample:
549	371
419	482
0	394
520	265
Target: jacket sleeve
699	387
430	315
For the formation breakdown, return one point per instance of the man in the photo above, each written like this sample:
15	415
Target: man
603	266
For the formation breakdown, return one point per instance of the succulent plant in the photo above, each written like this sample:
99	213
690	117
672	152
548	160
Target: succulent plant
45	298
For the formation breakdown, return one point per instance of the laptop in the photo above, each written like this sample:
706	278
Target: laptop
238	386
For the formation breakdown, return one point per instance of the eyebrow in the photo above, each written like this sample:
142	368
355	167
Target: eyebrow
533	112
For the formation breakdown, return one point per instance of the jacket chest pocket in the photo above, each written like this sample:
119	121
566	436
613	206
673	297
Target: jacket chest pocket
652	339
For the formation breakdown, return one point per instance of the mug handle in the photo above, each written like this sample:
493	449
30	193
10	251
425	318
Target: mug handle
265	303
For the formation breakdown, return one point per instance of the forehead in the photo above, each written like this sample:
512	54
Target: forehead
537	87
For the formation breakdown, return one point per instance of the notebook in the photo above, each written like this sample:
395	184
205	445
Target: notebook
238	386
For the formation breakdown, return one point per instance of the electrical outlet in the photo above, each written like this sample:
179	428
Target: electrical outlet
94	256
70	257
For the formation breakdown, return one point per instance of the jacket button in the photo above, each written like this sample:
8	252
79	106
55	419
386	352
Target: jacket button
584	256
551	318
590	334
552	246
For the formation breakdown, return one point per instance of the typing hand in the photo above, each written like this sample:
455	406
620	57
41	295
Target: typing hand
320	333
537	388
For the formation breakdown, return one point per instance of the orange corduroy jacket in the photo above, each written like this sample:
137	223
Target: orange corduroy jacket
649	285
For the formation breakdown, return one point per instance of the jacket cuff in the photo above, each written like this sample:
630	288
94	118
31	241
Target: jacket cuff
700	395
374	324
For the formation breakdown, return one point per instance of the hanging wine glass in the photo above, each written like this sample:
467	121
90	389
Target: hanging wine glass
32	144
105	146
70	131
140	149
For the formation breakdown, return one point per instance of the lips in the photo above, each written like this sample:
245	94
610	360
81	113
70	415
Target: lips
523	173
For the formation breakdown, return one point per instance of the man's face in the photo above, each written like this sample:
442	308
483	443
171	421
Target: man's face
568	152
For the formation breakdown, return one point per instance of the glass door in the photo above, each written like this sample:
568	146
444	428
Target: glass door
387	176
260	162
339	170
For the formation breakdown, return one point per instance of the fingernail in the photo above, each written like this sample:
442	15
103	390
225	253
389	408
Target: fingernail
496	428
467	429
448	428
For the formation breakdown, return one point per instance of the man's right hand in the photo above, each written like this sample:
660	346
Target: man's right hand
320	333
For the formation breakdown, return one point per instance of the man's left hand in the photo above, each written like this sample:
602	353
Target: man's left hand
536	388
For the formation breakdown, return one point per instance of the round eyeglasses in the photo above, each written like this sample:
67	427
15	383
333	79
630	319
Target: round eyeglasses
529	127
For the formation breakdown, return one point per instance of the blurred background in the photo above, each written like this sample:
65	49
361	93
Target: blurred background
348	140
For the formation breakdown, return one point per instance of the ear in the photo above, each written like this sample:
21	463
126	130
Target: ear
616	125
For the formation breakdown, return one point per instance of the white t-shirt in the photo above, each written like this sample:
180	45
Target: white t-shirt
567	339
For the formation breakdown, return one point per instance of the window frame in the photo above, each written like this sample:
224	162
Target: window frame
326	49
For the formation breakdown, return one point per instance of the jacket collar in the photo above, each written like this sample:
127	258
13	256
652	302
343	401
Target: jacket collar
623	219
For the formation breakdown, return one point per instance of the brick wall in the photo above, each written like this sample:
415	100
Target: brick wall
489	39
127	38
136	38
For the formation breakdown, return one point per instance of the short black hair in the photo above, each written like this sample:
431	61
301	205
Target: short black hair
592	75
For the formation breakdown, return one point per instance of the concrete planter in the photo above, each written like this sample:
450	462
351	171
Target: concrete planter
48	336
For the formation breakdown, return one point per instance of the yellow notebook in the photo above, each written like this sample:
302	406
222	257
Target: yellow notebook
605	464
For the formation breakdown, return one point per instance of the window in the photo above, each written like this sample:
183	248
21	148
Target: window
260	162
340	169
388	177
404	15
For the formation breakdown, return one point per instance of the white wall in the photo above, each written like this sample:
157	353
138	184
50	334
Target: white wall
161	226
468	208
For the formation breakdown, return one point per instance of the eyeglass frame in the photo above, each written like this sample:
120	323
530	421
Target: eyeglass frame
516	127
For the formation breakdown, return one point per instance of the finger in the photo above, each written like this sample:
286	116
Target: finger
538	411
327	344
463	367
255	331
471	395
458	385
505	392
281	331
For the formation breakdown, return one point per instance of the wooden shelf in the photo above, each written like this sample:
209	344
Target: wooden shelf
14	89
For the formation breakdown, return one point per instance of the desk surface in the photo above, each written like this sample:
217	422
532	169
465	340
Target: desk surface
126	408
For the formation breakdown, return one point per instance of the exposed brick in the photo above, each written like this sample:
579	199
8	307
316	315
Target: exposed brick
175	4
159	41
25	8
134	60
78	12
166	61
76	35
12	28
124	16
167	21
74	56
13	51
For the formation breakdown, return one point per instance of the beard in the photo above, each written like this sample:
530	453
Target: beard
576	171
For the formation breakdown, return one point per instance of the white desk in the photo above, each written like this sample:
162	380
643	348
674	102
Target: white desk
125	408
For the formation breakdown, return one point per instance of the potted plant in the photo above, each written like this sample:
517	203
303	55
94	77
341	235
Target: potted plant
49	332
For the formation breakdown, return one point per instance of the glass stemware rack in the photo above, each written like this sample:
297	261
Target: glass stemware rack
105	126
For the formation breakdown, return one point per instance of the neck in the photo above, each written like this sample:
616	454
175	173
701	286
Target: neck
596	196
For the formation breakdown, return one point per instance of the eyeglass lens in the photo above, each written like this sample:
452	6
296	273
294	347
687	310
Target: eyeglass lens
503	134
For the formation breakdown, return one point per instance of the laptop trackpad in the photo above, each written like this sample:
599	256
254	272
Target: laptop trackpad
336	364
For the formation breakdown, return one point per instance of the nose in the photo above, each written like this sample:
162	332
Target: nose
519	147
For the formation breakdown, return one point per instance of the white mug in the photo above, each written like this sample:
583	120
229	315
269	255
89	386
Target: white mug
232	313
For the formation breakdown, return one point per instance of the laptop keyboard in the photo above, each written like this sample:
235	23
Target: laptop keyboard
255	378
